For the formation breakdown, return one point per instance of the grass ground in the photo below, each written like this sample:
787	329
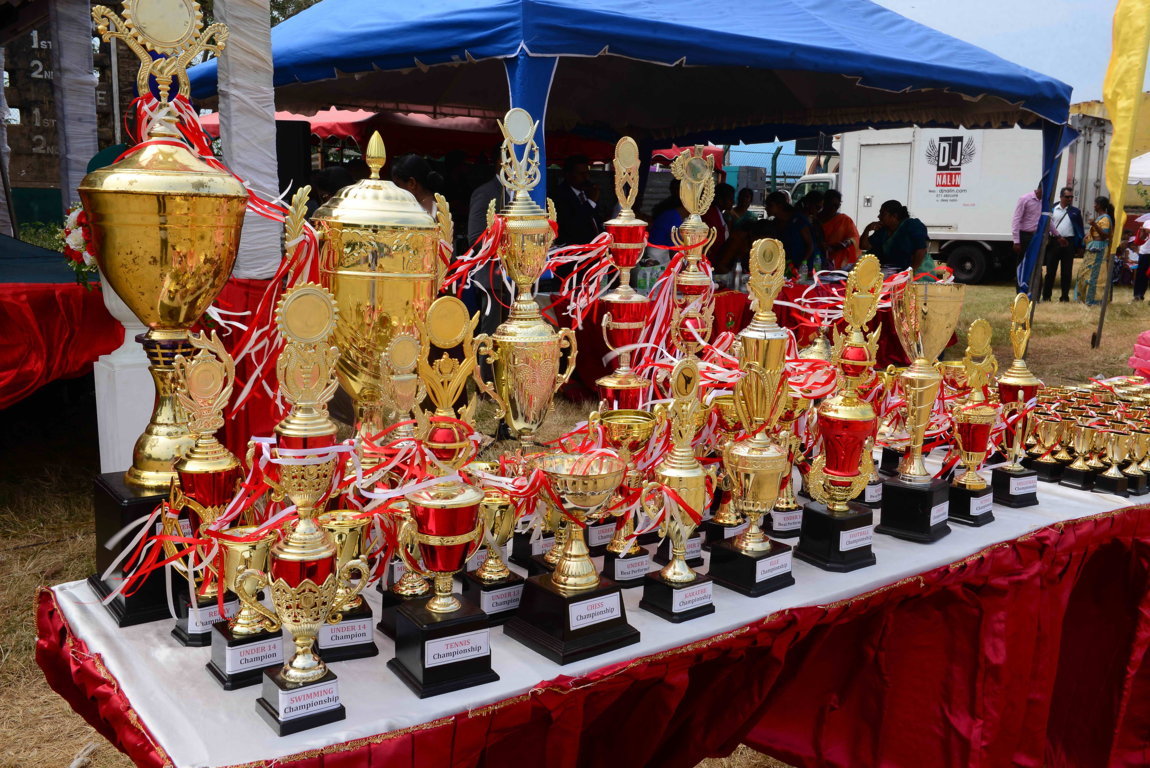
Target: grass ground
48	455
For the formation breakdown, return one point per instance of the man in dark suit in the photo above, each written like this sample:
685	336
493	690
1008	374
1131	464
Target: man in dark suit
576	204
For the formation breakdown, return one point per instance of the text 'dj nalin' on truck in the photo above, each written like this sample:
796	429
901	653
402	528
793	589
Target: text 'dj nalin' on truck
962	184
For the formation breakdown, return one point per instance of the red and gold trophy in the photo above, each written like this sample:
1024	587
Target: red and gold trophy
677	593
693	309
787	516
627	311
751	563
974	417
836	533
309	589
206	479
1013	484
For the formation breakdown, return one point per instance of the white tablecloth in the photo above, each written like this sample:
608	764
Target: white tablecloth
199	724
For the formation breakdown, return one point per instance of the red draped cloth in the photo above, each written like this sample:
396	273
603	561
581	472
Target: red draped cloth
50	331
1032	652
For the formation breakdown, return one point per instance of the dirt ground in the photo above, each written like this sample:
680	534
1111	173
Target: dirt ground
48	452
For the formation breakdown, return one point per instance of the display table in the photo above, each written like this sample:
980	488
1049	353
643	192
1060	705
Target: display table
1020	642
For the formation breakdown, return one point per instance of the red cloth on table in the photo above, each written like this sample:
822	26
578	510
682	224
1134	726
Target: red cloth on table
258	416
1031	652
50	331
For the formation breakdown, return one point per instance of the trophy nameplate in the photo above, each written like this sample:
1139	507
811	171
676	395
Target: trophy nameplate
194	622
599	536
785	523
351	638
715	532
239	661
694	556
437	653
1014	488
751	574
678	601
627	569
293	707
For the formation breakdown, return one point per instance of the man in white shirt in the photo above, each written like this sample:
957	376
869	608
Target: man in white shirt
1064	245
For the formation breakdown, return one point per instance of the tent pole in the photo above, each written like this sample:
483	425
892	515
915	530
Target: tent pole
529	82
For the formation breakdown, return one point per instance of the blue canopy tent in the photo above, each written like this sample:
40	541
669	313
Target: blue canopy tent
661	70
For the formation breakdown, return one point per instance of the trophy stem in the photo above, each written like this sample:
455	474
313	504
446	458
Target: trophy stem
444	601
493	569
575	572
753	539
556	550
411	584
304	666
920	383
166	438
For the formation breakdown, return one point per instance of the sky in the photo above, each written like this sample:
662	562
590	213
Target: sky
1066	39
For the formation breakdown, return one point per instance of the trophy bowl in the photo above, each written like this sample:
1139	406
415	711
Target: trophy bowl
584	484
241	553
755	467
346	528
441	530
499	517
972	428
627	431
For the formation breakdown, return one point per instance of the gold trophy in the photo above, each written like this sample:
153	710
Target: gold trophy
495	587
677	593
752	564
441	644
309	588
354	636
248	643
1113	480
206	480
970	496
165	224
572	612
627	311
696	174
787	516
524	351
627	431
915	505
1015	486
379	256
836	534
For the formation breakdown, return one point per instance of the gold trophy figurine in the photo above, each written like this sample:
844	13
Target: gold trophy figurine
970	496
165	224
524	351
677	593
696	174
915	504
1015	486
836	534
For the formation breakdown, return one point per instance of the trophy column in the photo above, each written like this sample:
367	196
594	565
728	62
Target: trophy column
970	496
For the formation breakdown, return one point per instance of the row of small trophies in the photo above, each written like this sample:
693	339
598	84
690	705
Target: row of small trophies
291	540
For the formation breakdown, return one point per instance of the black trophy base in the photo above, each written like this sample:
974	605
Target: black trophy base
772	521
1014	489
599	532
1048	472
627	570
522	548
420	633
351	638
713	532
498	599
751	574
1138	485
390	603
1082	479
276	690
184	636
824	535
677	602
551	622
872	495
650	537
915	512
117	505
888	463
1115	485
663	552
971	507
254	653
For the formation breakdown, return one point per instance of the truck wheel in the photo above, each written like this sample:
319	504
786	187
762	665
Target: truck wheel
968	262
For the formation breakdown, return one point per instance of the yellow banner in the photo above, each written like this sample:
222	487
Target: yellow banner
1122	93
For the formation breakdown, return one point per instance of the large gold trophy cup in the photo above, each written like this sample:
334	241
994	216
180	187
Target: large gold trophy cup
524	351
165	225
915	505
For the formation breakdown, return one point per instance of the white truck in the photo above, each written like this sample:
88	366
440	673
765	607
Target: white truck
962	184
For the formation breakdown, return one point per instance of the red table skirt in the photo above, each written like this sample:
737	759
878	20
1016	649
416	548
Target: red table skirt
50	331
1032	652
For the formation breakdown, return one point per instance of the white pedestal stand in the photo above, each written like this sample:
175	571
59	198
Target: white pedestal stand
124	390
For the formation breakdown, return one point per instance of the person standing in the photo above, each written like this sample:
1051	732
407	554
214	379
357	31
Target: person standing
840	235
1091	280
1141	241
788	225
899	240
1027	212
1066	245
576	204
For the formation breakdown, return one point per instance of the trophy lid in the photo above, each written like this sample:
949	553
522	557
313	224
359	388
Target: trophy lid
375	202
163	169
446	495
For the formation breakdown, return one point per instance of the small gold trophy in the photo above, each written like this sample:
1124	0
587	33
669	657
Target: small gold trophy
309	589
165	224
970	496
915	504
524	351
677	593
836	534
494	587
1014	485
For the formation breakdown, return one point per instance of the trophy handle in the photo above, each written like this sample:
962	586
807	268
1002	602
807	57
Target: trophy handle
485	349
605	326
247	595
408	541
866	469
815	479
566	341
352	590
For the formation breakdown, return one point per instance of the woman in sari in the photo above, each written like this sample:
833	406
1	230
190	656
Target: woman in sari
839	232
1091	281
